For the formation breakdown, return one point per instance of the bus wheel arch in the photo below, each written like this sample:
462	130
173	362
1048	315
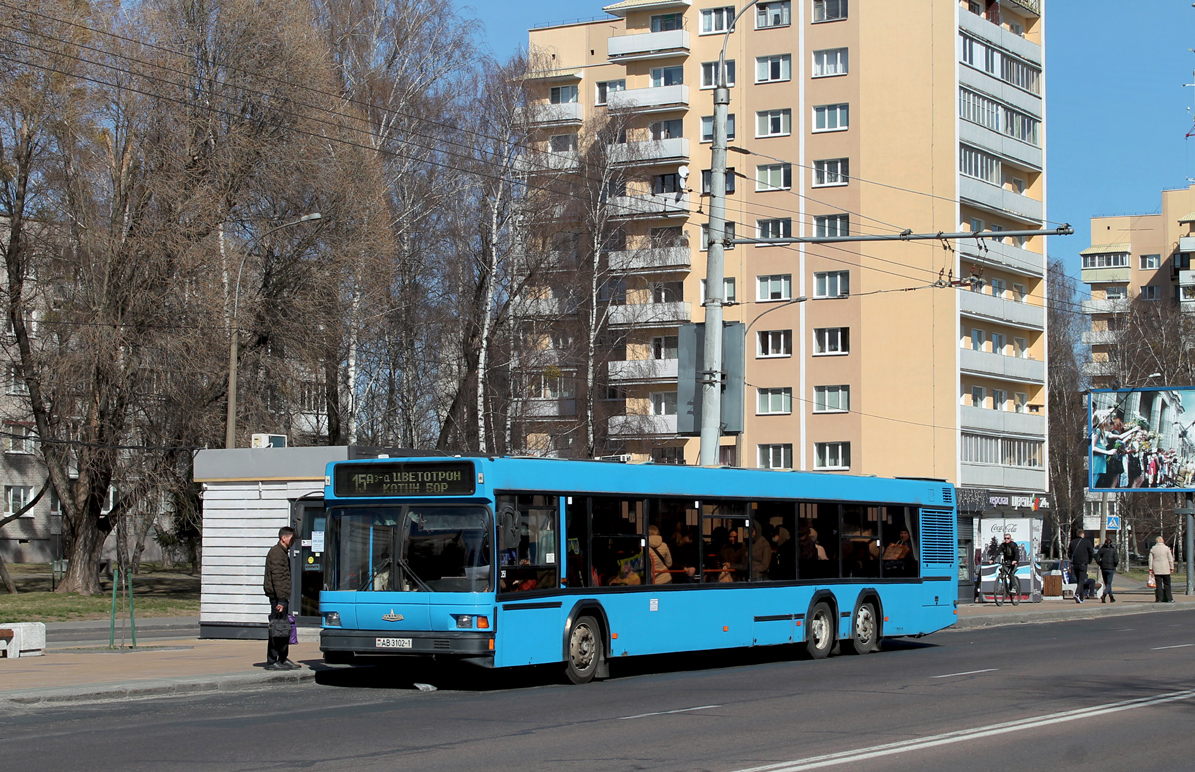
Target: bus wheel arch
867	626
821	625
592	614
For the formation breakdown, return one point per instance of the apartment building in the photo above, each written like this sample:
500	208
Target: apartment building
847	117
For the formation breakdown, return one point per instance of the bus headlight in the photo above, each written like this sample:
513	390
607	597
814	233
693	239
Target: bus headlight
463	621
331	619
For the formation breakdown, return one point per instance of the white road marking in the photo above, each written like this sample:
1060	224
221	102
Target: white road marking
666	712
1179	646
969	672
963	735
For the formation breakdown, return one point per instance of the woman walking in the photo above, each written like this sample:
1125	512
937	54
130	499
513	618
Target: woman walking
1107	558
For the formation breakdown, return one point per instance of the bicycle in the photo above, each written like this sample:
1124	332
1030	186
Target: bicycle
1007	584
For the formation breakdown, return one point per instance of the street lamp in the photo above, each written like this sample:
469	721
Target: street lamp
230	417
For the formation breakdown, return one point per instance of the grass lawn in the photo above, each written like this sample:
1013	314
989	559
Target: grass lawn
156	592
1141	574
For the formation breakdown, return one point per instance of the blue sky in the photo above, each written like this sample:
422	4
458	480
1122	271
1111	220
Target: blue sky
1117	108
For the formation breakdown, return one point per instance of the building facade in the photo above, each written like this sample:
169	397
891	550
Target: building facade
846	118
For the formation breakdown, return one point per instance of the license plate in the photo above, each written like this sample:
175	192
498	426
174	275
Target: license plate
393	643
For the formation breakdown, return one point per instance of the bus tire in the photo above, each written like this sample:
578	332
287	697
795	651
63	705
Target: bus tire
866	633
819	632
585	650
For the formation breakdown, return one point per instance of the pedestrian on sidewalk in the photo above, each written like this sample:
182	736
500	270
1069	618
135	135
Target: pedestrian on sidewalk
1108	559
1082	553
1161	564
277	589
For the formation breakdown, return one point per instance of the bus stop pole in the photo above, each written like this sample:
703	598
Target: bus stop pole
1189	545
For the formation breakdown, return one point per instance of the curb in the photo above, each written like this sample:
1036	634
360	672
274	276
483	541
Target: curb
165	687
1045	616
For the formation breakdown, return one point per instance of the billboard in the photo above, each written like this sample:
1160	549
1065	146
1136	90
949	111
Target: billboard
1026	534
1141	439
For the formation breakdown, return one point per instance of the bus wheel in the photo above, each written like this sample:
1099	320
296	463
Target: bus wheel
819	632
584	650
866	633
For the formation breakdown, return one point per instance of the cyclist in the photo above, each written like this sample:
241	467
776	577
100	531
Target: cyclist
1010	557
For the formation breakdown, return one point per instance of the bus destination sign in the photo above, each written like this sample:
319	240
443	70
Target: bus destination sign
447	478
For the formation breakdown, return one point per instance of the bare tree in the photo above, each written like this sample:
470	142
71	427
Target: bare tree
1067	409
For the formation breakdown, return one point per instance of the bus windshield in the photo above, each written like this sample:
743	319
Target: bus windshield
409	549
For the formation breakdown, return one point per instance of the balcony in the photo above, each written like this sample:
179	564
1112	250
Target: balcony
1001	144
548	308
978	80
565	114
653	205
988	365
1105	306
1003	422
643	370
995	309
651	314
1099	369
985	30
651	260
1002	477
648	45
549	408
651	100
1105	275
652	151
1100	337
642	425
995	198
1005	255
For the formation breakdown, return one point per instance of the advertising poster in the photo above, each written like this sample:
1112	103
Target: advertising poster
1026	534
1141	439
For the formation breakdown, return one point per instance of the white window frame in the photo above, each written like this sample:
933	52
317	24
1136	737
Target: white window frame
979	339
728	230
774	287
17	496
659	76
660	347
18	438
999	343
831	225
1019	293
979	397
709	74
831	172
773	228
999	288
1116	292
564	95
831	341
829	10
774	123
1151	262
840	395
980	165
831	63
715	21
783	64
834	117
825	281
835	456
1151	292
776	456
1106	260
707	127
1020	348
772	15
782	337
729	289
16	384
605	88
774	401
764	174
999	398
662	402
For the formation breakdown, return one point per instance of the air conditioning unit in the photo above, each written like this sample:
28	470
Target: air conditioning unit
623	458
268	441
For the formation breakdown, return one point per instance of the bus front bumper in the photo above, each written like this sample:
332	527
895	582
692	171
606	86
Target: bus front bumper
391	643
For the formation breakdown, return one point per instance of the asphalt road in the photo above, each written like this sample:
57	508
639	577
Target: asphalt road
1110	694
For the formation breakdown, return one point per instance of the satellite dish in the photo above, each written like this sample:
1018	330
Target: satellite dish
683	173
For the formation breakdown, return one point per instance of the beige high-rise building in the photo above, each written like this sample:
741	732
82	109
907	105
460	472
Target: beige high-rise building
859	117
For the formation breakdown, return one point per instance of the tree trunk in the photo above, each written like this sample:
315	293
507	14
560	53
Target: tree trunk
8	585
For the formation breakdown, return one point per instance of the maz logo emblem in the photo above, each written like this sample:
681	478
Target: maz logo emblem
392	617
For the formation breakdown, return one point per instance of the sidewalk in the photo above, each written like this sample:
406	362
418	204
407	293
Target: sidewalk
189	665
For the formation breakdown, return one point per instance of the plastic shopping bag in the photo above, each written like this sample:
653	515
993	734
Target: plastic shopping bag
1152	582
294	628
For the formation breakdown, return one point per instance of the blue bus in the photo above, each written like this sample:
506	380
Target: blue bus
519	561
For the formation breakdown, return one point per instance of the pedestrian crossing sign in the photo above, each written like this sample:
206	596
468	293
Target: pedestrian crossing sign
1113	522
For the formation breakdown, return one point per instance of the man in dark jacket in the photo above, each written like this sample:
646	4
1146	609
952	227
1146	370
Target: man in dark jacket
1107	559
277	589
1082	553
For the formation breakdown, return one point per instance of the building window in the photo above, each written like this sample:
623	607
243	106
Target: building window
978	396
727	234
831	225
709	74
728	290
829	341
715	20
663	403
774	14
668	292
18	438
776	287
980	165
1151	262
560	95
16	383
773	123
607	87
552	387
774	343
1021	404
999	342
831	399
672	455
831	61
773	69
707	128
967	47
979	109
664	347
999	397
831	171
666	183
705	181
774	177
1023	76
776	456
978	339
828	10
667	129
999	288
831	455
1019	293
1020	348
1116	293
666	22
1149	292
1110	260
774	401
667	76
1020	126
778	228
16	497
831	117
831	284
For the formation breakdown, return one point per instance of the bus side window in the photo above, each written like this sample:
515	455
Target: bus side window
528	543
619	534
576	518
899	558
860	533
775	523
817	535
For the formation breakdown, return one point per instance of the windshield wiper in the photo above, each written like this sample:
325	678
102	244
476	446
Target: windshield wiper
407	567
